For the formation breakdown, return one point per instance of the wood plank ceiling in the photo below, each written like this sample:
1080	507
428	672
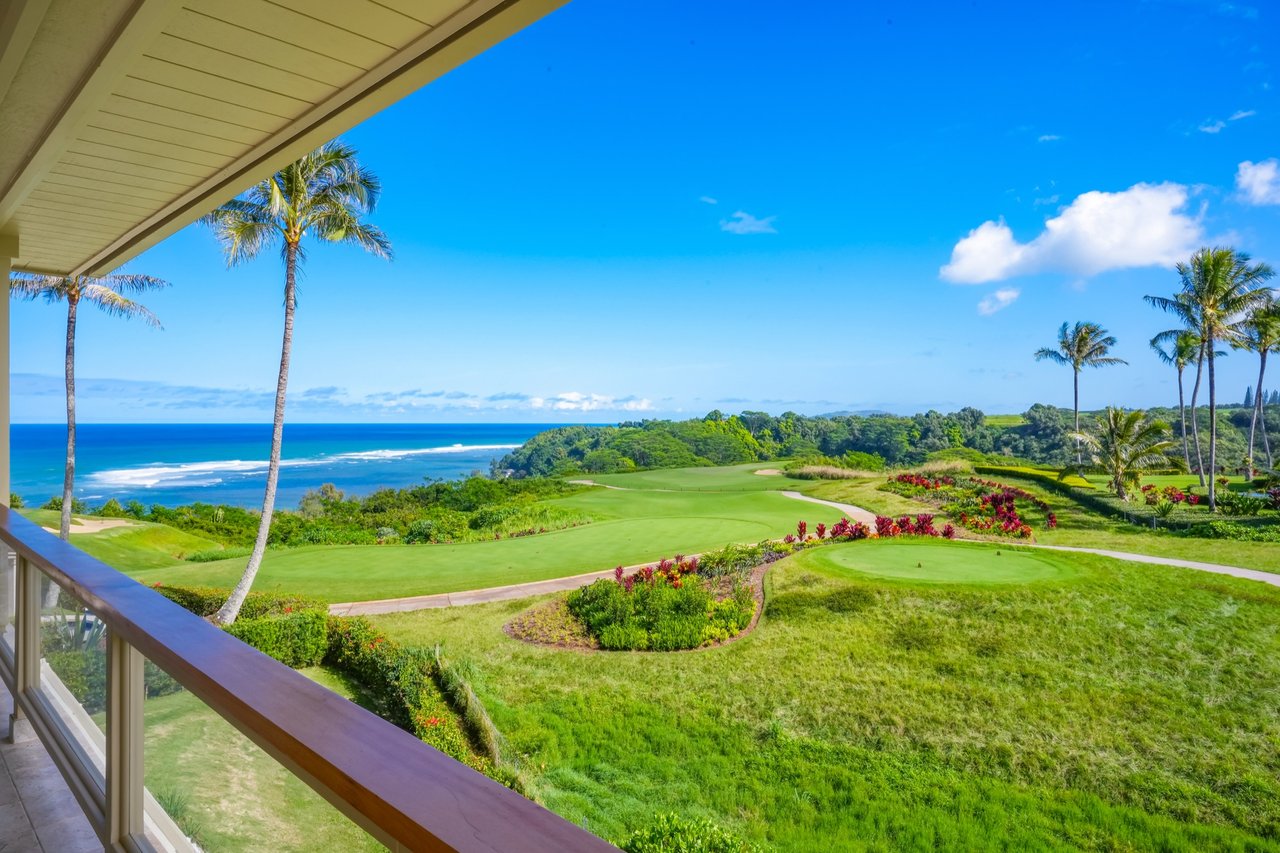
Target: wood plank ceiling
181	105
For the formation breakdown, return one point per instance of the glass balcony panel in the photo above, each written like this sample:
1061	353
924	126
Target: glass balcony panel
210	784
72	681
8	590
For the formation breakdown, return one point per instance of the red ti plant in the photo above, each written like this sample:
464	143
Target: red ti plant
821	530
617	574
949	532
789	538
886	527
801	529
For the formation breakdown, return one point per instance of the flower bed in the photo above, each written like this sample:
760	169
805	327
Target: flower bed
983	506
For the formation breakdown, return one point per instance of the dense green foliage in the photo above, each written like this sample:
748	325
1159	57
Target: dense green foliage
471	509
864	442
660	611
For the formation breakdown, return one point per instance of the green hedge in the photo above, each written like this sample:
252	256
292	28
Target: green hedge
404	682
1055	479
205	600
295	639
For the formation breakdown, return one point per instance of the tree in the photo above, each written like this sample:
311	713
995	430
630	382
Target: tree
324	195
1126	445
1177	347
106	292
1260	333
1081	345
1248	397
1220	290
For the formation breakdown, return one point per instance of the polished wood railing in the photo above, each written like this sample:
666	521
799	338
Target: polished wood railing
406	794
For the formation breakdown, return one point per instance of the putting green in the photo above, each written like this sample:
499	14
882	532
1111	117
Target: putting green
931	561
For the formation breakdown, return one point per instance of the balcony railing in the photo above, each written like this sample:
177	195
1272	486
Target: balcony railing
402	792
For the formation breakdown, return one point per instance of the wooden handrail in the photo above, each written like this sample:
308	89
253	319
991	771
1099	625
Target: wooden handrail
403	792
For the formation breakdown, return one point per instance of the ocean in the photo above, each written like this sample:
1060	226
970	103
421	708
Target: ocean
173	464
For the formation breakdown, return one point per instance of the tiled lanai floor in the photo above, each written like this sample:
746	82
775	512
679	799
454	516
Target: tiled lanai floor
37	810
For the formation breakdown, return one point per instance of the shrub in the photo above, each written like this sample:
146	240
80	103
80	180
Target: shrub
295	639
663	610
15	501
78	506
204	601
673	834
1232	530
111	509
214	554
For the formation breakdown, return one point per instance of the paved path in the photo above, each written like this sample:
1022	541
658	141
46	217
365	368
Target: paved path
853	513
524	590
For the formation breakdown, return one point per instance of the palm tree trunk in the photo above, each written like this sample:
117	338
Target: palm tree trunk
1195	421
229	611
1213	430
1253	421
1182	417
1076	404
69	472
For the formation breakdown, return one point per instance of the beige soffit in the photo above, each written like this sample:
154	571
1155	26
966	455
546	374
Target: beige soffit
122	121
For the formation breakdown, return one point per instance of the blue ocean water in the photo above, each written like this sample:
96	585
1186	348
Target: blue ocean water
174	464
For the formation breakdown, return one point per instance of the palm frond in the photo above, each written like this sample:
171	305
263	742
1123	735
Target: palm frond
116	304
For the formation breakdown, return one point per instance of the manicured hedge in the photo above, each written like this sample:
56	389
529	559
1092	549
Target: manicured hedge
205	601
295	639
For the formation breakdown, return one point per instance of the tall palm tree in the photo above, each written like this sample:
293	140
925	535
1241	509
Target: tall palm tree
1126	445
1177	347
1220	290
1260	333
106	292
1081	345
324	195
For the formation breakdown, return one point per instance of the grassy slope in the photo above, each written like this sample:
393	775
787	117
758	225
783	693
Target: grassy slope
236	796
731	478
1078	527
1126	707
633	527
138	546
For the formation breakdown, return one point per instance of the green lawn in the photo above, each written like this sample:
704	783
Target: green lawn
933	561
1005	420
140	545
1111	706
632	527
730	478
230	794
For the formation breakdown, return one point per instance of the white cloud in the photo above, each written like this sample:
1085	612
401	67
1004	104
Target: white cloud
574	401
1239	114
1002	298
1142	226
1053	199
1049	137
706	199
1259	183
744	223
1212	126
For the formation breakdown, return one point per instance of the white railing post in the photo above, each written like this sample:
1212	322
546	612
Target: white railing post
125	695
26	640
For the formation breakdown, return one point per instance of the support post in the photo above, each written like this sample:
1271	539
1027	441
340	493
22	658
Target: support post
8	251
26	641
125	695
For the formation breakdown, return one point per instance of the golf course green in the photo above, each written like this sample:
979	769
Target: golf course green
932	561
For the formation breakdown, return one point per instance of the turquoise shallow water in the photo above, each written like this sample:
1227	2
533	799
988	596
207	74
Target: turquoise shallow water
174	464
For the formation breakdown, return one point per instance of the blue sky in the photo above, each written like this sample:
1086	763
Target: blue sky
660	208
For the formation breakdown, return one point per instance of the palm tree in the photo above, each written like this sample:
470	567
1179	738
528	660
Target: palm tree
324	195
1260	333
1127	444
105	292
1081	345
1182	347
1220	290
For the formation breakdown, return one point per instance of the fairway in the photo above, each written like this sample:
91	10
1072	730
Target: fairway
632	527
730	478
934	562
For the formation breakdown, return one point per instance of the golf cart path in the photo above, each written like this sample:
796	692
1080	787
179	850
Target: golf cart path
854	513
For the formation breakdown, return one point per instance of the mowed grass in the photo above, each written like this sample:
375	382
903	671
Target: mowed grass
135	546
932	561
729	478
631	527
1077	526
231	795
1114	706
1005	420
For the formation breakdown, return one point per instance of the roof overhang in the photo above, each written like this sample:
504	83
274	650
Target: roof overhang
122	121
